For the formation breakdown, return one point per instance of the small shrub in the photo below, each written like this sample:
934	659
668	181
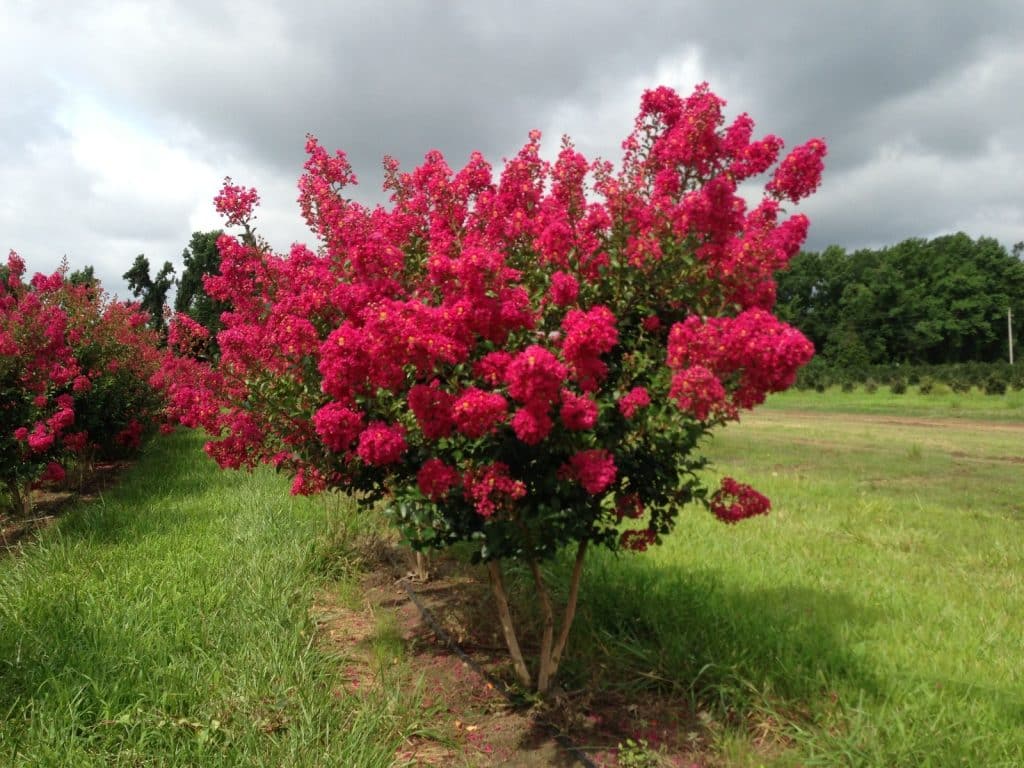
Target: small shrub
636	754
995	385
74	378
960	385
926	385
871	386
847	385
898	385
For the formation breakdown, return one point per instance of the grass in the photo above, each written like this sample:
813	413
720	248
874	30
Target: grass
939	403
168	625
873	619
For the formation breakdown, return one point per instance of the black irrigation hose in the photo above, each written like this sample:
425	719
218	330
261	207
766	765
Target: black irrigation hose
500	687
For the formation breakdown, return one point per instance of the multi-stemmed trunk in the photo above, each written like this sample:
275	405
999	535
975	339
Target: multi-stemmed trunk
551	645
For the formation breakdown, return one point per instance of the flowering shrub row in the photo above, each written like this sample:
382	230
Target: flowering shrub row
522	362
74	377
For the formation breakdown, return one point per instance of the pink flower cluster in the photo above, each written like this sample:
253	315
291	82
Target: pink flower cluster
477	413
69	359
492	488
736	501
498	342
637	541
799	174
578	412
435	479
130	436
761	351
588	336
633	401
338	426
381	444
236	203
432	407
187	337
700	392
593	469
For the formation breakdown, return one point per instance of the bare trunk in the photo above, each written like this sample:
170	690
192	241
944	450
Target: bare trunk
21	500
85	466
545	672
570	606
421	567
507	628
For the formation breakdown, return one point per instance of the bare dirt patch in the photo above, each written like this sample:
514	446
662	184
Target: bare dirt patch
878	418
993	459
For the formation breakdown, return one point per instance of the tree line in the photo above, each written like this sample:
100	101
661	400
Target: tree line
933	302
920	302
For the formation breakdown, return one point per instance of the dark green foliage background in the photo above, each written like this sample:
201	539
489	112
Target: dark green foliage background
939	302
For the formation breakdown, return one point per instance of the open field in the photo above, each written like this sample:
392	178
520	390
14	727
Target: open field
940	403
873	619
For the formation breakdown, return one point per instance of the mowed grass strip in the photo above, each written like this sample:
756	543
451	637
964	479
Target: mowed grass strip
941	402
874	618
168	625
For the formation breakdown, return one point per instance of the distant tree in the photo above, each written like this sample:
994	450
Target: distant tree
920	301
84	276
151	292
200	258
802	294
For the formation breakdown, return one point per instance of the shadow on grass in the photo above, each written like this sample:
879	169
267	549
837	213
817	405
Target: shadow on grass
645	626
653	652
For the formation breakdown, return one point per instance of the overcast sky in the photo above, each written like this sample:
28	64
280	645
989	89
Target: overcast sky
120	119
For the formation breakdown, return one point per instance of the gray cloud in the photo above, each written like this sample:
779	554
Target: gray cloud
917	101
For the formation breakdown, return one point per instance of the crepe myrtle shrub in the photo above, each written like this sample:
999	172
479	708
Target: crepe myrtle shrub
117	351
74	377
524	363
37	365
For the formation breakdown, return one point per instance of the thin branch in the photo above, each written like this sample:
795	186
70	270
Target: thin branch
570	607
545	671
507	628
22	503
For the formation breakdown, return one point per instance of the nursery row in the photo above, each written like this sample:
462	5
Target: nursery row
991	378
75	371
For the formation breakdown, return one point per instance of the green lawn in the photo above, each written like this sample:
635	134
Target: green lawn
168	625
940	403
873	619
